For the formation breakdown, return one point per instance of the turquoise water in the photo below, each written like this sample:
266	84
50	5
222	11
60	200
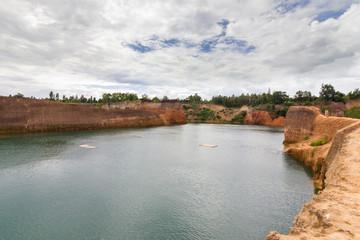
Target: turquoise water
150	183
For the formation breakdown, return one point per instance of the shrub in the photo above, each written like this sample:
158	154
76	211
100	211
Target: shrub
353	112
281	112
305	138
239	117
319	142
206	114
186	107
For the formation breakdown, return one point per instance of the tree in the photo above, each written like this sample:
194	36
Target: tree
83	99
18	95
354	94
165	98
57	96
279	97
51	95
302	96
145	97
195	98
327	92
155	99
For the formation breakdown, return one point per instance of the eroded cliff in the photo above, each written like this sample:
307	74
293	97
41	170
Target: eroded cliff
30	115
221	114
334	213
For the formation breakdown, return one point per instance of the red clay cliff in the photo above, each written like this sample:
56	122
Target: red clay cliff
31	115
333	213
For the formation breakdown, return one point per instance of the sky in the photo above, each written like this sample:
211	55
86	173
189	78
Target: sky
177	47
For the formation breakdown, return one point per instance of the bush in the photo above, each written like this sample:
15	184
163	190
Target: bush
186	107
239	117
206	114
353	112
319	142
305	138
281	112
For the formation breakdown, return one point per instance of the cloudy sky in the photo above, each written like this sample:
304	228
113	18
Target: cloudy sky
177	48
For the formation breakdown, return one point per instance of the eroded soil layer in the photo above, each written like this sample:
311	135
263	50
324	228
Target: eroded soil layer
31	115
334	213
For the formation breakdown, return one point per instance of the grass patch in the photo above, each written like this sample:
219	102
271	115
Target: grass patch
305	138
319	142
353	112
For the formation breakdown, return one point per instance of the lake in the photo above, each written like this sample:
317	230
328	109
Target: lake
150	183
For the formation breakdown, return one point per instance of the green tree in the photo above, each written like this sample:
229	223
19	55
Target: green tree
302	96
279	97
327	92
196	98
145	97
354	94
51	95
18	95
155	99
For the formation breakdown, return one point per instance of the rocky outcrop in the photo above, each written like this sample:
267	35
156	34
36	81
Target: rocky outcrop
172	112
334	213
30	115
225	115
263	118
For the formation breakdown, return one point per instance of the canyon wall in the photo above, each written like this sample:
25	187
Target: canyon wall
31	115
333	213
225	115
171	111
255	117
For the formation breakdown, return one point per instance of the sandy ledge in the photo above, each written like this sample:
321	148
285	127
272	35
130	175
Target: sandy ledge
334	213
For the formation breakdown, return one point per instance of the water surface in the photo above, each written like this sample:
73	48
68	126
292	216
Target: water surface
150	183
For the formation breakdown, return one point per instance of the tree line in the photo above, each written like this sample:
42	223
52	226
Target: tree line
326	94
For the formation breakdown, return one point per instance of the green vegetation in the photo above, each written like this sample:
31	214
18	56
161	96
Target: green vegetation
354	94
281	112
239	117
319	142
269	99
186	107
18	95
353	112
305	138
328	93
206	114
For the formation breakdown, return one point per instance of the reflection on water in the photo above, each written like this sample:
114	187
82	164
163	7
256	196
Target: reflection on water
150	183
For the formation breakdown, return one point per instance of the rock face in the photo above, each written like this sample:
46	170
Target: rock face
334	213
30	115
263	118
172	112
253	116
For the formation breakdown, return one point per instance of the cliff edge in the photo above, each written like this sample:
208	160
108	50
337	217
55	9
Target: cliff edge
334	213
31	115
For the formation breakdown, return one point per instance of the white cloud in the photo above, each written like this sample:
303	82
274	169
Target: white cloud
82	47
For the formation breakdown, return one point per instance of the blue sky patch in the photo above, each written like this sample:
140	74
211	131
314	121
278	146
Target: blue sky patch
171	42
329	14
288	5
138	47
205	46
